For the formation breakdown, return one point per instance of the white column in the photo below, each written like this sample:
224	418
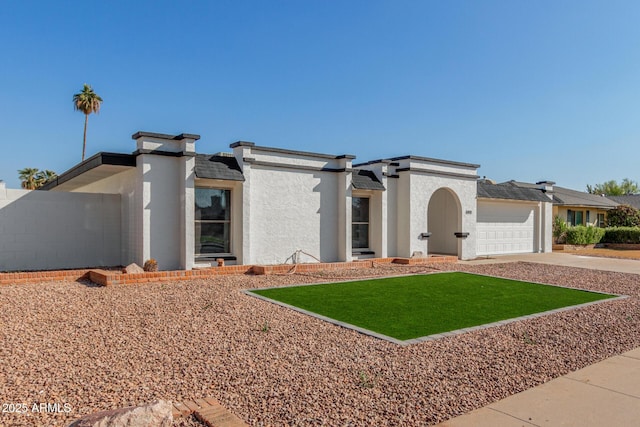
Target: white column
164	199
243	155
345	249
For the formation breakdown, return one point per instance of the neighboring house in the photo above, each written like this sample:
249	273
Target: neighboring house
576	207
632	200
265	205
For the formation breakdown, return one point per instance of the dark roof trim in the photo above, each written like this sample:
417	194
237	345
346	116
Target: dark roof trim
373	162
292	152
296	167
429	159
165	153
165	136
113	159
242	144
436	172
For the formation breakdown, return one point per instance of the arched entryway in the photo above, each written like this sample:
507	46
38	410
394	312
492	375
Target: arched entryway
444	219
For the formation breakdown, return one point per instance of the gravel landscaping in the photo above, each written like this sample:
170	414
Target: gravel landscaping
96	348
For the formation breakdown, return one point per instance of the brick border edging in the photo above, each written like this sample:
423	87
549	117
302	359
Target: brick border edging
209	411
107	278
54	276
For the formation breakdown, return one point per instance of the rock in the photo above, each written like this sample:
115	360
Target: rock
157	414
133	268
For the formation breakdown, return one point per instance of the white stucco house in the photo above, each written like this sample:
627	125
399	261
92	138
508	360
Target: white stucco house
265	205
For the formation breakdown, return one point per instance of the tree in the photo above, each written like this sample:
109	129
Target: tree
45	176
612	188
623	216
32	178
88	102
28	178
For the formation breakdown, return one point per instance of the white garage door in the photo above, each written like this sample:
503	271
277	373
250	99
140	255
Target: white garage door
505	228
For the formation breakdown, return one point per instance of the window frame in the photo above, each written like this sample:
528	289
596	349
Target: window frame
367	223
229	221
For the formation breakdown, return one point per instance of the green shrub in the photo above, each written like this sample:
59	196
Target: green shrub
621	235
559	230
623	216
581	235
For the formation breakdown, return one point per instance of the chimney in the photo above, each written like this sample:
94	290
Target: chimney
546	187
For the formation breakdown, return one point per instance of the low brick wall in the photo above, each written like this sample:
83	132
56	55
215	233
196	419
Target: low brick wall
571	247
49	276
427	260
107	278
112	277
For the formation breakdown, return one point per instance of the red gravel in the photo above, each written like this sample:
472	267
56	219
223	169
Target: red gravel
97	348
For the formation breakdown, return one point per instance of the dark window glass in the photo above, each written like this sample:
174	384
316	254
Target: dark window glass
212	237
212	221
571	220
212	204
579	218
360	209
360	222
360	236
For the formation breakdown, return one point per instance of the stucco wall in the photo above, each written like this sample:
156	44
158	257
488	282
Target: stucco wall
158	201
124	184
422	187
392	216
42	230
291	210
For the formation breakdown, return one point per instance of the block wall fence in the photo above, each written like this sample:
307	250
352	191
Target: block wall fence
41	230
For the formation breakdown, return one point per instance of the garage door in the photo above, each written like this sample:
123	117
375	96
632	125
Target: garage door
505	228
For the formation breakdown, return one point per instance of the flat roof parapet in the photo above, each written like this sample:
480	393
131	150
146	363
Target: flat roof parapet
142	134
290	152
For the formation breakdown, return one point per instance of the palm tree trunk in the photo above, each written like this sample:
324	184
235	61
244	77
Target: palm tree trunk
84	140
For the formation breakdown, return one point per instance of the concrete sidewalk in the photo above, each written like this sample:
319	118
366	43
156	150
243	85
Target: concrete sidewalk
603	394
567	260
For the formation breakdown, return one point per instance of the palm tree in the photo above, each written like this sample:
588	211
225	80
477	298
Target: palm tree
28	178
44	176
88	102
32	178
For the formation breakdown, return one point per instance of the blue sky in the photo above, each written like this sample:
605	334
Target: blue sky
530	90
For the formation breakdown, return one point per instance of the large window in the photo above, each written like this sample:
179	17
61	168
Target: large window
359	223
212	221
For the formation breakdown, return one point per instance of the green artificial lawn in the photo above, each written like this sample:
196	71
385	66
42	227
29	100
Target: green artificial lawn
415	306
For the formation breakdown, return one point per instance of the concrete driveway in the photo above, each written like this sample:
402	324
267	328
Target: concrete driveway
568	260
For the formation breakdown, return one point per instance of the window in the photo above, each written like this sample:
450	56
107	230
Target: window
600	222
588	217
575	217
212	221
359	222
